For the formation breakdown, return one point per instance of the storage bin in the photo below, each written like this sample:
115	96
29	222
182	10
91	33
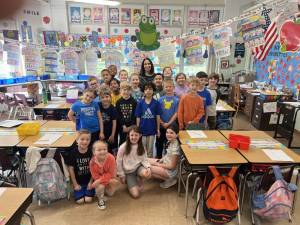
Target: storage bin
29	129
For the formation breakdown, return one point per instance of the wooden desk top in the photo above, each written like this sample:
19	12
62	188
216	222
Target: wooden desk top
67	140
256	155
61	105
211	135
250	133
59	126
225	107
42	122
10	141
212	157
14	201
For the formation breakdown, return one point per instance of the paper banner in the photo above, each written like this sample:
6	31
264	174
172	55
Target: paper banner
193	50
221	42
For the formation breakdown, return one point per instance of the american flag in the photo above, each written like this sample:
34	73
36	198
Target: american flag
271	36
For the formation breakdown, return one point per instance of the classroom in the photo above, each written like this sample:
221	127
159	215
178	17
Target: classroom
139	112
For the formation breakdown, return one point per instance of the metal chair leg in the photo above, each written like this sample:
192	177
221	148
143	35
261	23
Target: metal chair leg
180	178
195	184
187	193
198	208
31	217
243	191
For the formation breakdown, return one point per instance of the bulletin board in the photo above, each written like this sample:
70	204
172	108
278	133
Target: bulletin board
203	16
281	69
85	18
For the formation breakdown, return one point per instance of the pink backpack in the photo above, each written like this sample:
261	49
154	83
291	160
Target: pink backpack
277	201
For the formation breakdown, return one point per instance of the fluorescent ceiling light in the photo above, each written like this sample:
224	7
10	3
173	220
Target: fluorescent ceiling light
99	2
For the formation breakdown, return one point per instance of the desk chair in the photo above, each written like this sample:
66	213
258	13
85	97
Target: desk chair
23	110
11	104
27	213
204	186
238	103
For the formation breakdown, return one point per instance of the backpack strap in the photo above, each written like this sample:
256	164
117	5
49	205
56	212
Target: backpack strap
214	171
232	172
277	172
51	153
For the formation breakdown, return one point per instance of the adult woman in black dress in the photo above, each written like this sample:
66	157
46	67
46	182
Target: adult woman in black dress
147	72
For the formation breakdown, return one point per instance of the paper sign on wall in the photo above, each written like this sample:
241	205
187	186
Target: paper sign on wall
221	42
193	50
269	107
166	55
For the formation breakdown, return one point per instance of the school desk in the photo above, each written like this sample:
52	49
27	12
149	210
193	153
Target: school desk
211	135
12	129
224	107
58	126
59	109
10	140
65	141
197	160
13	204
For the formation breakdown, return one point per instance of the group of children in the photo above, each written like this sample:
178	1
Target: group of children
119	118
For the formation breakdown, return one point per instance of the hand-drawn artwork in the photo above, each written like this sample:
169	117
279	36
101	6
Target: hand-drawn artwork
75	14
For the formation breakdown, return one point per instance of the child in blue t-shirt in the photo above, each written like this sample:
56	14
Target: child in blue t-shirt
169	105
147	114
86	114
204	93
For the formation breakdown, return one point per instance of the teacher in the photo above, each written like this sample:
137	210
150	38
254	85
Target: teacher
147	72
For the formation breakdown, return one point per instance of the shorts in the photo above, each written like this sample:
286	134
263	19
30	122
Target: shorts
83	192
132	178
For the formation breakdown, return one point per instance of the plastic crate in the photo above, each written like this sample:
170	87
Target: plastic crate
83	77
9	81
45	77
20	79
29	129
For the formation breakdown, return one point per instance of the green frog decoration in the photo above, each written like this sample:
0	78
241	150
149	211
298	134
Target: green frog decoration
148	36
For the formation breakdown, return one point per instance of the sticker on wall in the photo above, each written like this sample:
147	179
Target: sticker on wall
290	41
148	36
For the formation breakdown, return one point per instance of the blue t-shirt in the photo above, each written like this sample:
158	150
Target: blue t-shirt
147	114
207	101
169	106
86	116
108	115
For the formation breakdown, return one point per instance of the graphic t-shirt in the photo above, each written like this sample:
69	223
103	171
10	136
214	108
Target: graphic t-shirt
80	163
126	109
86	116
108	115
147	114
169	106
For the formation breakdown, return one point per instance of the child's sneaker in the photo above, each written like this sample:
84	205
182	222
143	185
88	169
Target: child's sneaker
168	183
101	204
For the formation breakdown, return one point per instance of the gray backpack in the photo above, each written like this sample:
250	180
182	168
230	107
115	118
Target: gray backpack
48	180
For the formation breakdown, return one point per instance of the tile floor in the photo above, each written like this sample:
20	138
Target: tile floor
155	207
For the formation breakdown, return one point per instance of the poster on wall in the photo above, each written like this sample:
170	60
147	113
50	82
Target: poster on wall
70	59
114	15
136	15
193	50
214	16
98	15
165	54
177	17
203	17
221	41
75	14
91	62
193	17
50	38
51	61
87	15
13	53
11	34
165	16
32	58
155	14
26	33
239	50
125	16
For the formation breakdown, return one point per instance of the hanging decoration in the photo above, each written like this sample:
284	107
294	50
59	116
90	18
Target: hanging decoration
46	19
290	41
147	36
193	50
221	41
166	55
91	59
51	60
26	32
70	60
113	57
239	50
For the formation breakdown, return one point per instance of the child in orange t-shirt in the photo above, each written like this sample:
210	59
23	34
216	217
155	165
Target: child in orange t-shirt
191	107
103	171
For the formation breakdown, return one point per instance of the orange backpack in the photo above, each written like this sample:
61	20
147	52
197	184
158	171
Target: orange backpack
221	200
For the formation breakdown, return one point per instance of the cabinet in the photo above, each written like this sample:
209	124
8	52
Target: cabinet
250	102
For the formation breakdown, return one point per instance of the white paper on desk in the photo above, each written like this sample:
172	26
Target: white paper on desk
53	106
196	134
2	190
10	123
296	104
72	94
220	108
269	107
277	155
48	139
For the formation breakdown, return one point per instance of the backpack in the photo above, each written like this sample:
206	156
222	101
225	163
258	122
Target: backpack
221	200
277	201
48	180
